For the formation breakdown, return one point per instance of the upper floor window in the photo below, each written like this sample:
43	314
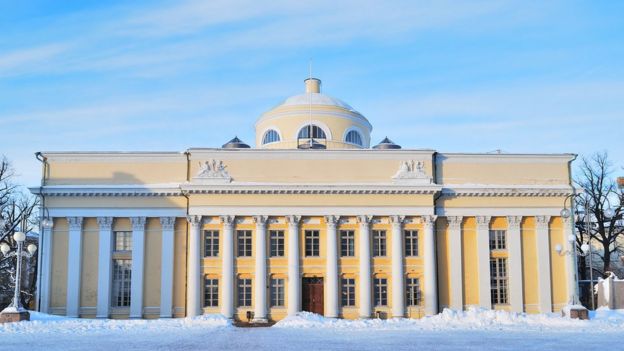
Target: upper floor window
498	240
313	130
277	243
379	243
353	137
347	243
244	243
312	243
411	243
211	243
123	241
270	136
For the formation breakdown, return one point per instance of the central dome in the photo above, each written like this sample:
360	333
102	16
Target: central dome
313	120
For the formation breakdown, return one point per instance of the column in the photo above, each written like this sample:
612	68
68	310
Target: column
260	287
105	250
193	268
571	267
227	267
456	300
366	302
483	254
166	266
398	272
543	262
431	273
46	269
138	257
74	263
514	263
332	287
294	276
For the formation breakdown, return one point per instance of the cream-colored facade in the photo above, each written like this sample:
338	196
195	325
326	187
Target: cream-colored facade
326	224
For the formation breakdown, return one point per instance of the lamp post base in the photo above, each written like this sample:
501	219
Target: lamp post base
10	317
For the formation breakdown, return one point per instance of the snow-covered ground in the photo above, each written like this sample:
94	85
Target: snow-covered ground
450	330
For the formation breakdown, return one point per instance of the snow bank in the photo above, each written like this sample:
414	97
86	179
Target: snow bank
45	323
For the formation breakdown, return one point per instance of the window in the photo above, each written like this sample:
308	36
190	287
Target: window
211	292
347	243
270	136
244	292
211	243
498	280
381	291
411	243
316	132
353	137
244	243
379	243
122	277
348	292
498	240
312	243
123	241
277	243
413	292
277	292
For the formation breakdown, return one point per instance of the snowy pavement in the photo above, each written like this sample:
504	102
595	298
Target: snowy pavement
470	330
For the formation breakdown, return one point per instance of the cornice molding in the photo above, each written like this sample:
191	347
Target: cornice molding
506	191
108	190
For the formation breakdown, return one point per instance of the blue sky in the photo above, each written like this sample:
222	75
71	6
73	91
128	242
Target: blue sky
456	76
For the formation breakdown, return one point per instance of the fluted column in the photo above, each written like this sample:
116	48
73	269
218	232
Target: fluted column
166	267
227	267
332	290
514	267
294	276
105	248
366	303
138	264
483	254
571	267
398	271
456	300
543	262
74	266
193	268
260	287
46	269
431	273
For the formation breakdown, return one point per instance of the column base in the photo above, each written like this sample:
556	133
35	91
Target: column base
259	321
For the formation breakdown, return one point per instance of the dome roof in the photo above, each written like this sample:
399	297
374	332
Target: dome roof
317	99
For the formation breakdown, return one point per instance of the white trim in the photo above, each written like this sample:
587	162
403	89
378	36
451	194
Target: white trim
166	267
46	270
105	248
74	267
542	242
514	266
498	211
309	210
138	264
117	212
502	158
323	126
171	189
309	188
451	190
202	154
483	262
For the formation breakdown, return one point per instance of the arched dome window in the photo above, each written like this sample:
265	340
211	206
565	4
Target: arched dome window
270	136
316	132
354	137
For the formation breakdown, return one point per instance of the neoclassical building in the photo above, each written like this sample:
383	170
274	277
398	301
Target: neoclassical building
313	218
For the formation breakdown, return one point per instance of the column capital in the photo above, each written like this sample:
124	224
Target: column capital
429	219
397	219
541	222
364	219
260	220
227	220
194	220
483	222
332	220
167	223
293	219
75	223
138	223
454	222
105	223
513	222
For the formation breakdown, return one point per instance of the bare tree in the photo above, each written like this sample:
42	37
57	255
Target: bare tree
600	196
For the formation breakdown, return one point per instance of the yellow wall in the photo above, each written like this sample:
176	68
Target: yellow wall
152	271
558	275
470	262
529	265
58	282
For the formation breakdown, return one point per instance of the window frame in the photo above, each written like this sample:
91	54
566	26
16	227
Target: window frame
347	243
380	292
121	287
244	243
378	239
410	242
211	245
312	238
126	245
317	132
244	292
498	239
275	137
211	292
359	140
277	243
347	292
499	281
413	296
277	293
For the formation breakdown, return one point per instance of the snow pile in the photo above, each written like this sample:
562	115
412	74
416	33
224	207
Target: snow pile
45	323
606	314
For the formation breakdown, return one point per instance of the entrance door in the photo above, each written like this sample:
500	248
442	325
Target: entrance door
312	298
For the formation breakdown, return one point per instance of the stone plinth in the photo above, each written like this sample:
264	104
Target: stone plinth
9	317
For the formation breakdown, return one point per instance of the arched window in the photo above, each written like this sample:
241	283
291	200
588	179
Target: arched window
316	132
270	136
353	137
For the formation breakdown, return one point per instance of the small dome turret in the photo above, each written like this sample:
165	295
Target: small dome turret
386	144
235	143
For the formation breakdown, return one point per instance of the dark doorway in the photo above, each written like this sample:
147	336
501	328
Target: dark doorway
312	295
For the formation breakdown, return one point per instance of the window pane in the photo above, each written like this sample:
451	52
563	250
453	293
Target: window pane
211	243
347	243
277	292
122	277
244	243
244	292
277	243
123	241
211	292
411	242
313	130
348	292
353	137
312	243
379	243
270	136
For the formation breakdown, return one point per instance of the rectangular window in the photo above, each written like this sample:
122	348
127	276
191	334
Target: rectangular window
277	243
411	243
122	277
348	292
413	292
211	292
244	243
211	243
381	291
379	243
312	238
277	292
244	292
123	241
498	240
498	281
347	243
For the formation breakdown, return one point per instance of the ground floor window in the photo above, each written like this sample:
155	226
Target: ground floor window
413	291
122	277
498	280
277	292
381	291
244	292
211	292
348	292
